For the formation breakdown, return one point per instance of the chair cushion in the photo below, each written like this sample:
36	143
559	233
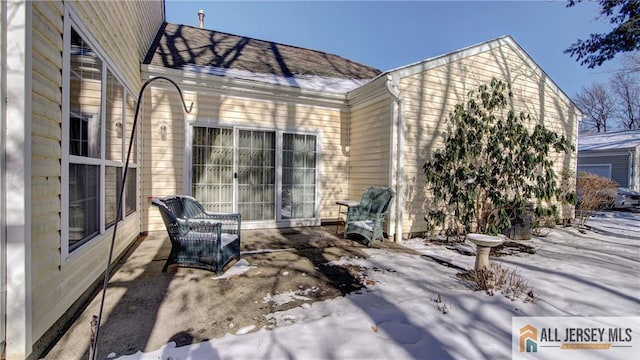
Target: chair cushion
228	238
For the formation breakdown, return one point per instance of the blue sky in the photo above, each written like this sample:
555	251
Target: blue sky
388	34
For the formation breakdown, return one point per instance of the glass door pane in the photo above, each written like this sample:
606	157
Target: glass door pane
212	168
256	175
298	176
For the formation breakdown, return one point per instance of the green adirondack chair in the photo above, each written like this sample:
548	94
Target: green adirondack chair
367	218
199	238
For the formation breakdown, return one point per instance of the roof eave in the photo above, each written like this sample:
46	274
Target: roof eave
371	91
242	86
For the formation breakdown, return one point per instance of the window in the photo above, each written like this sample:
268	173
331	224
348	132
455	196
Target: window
603	170
99	112
83	203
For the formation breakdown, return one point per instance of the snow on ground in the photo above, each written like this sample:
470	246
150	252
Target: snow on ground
596	274
238	268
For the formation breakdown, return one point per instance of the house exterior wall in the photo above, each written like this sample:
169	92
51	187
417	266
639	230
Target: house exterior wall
370	141
373	135
124	31
46	170
431	94
618	160
167	170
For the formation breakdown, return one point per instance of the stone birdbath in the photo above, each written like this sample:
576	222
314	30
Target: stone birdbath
484	243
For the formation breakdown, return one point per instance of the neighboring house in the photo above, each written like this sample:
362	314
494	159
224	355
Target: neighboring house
277	132
613	155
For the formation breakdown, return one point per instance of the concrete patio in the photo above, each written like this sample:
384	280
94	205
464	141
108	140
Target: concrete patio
146	308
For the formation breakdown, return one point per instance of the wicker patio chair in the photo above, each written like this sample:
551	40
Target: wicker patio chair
199	238
367	218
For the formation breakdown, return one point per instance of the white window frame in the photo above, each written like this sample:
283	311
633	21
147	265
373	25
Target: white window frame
67	256
607	166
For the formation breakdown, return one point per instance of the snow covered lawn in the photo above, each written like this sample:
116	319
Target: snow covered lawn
594	274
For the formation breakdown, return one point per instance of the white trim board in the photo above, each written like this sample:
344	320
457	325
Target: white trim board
604	166
17	176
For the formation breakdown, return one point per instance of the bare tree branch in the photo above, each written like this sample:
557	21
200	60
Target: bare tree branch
598	107
631	62
626	92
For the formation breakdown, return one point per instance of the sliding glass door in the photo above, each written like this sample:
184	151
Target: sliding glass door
298	176
267	176
256	175
213	168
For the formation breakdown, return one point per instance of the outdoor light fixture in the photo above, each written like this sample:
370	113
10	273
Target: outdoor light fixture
118	126
163	132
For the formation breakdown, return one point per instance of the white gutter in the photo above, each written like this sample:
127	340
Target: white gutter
398	121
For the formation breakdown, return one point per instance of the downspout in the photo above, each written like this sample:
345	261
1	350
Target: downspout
392	87
348	149
632	173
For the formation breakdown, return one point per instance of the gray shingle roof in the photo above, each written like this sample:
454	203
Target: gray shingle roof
180	46
617	140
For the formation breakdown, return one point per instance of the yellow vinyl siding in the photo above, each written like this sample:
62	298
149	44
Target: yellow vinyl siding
165	158
55	288
65	286
46	154
370	141
431	95
124	30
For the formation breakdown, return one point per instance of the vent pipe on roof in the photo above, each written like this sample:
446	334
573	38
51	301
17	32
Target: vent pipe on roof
201	18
